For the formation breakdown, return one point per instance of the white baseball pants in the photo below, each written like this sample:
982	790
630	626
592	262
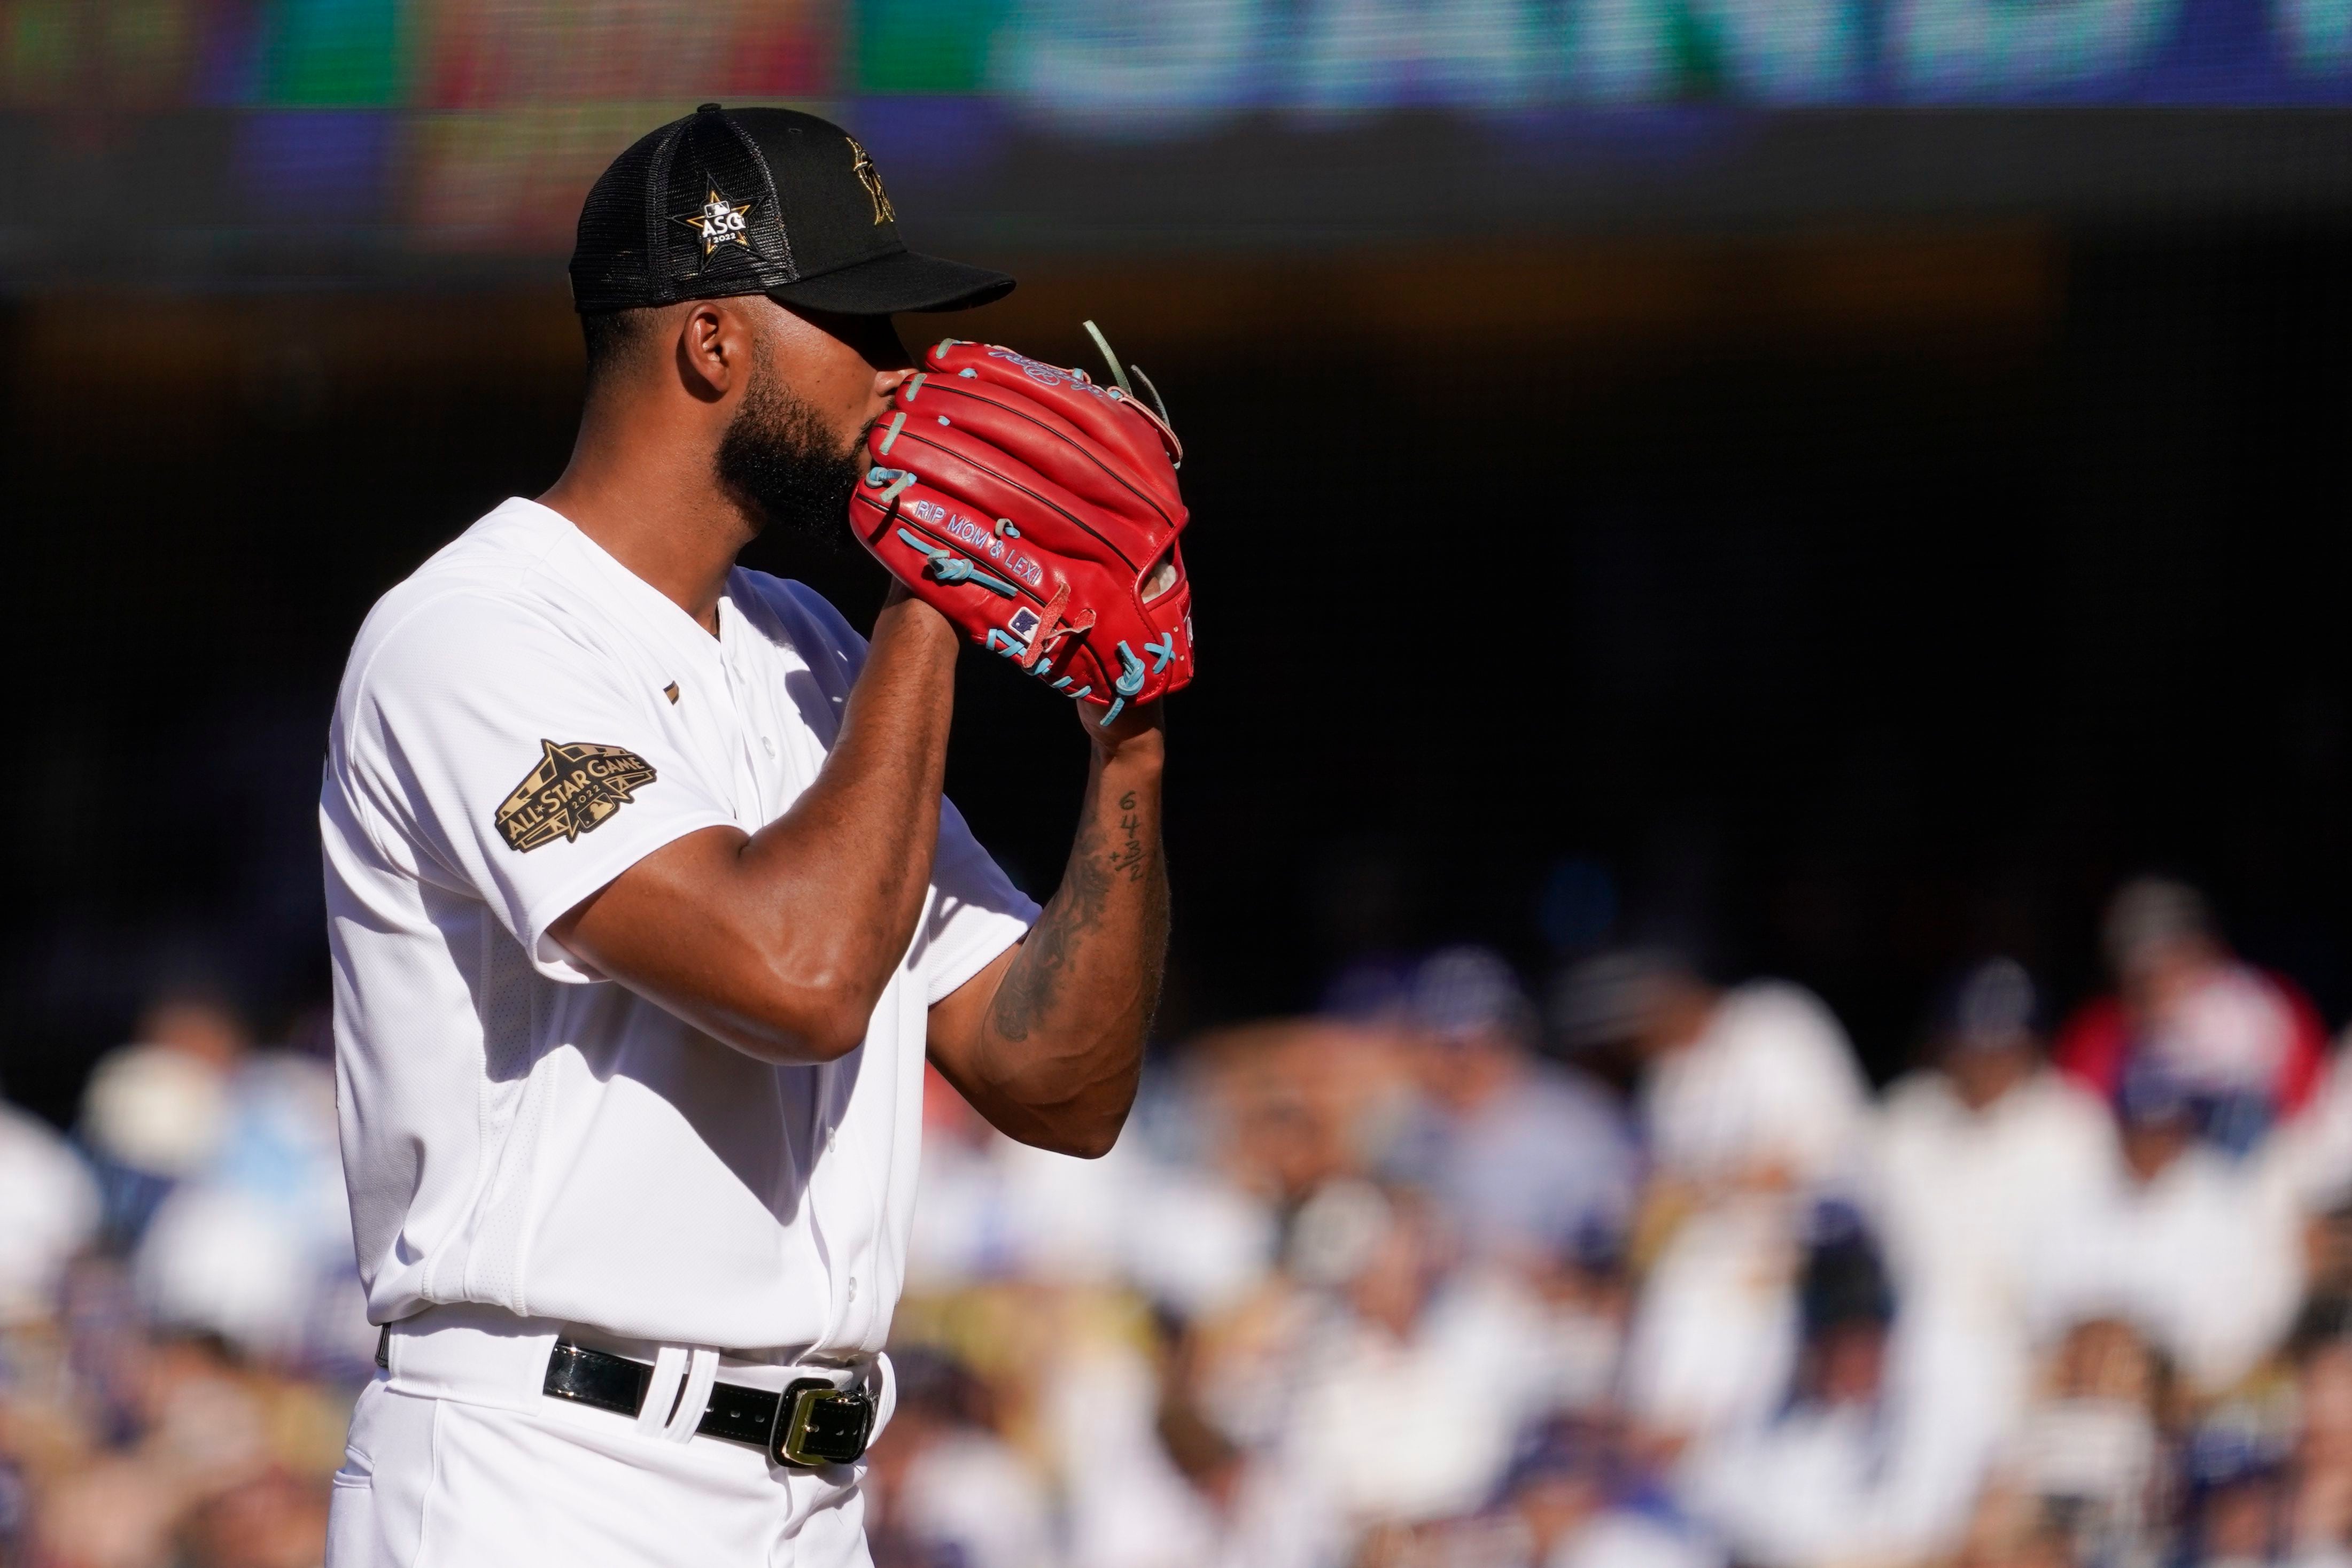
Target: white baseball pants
458	1460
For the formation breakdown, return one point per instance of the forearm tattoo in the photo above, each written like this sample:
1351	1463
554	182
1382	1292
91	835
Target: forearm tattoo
1033	987
1106	854
1127	858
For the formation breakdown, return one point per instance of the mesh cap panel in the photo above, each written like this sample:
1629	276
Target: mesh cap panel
609	266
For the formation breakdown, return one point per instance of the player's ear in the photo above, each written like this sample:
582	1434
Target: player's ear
713	349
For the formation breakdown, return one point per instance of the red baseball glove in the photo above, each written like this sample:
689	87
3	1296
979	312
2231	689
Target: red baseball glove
1039	512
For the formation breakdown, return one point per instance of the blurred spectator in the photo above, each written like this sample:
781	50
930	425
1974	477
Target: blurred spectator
2088	1453
1753	1108
1587	1300
253	1245
2312	1154
155	1110
2235	1493
1749	1090
2318	1527
989	1208
1154	1475
1975	1158
1413	1380
275	1520
48	1211
946	1489
1572	1505
1288	1107
199	1431
2194	1246
1878	1452
1520	1154
2246	1045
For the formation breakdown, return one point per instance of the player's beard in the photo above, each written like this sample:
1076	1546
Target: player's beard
778	460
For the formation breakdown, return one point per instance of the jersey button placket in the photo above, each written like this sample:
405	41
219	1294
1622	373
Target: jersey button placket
749	784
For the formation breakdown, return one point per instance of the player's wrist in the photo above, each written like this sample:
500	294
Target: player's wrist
904	615
1138	738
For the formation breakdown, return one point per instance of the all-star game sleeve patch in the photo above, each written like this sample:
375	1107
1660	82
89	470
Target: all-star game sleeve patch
575	789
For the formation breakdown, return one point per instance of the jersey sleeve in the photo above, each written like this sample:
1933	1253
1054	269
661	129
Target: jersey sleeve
517	762
975	912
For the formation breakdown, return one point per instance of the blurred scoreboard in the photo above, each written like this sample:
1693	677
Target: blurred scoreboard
245	136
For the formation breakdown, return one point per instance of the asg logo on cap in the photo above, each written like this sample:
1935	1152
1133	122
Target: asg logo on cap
720	222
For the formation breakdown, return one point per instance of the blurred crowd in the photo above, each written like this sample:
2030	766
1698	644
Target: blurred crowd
1643	1274
182	1330
1630	1270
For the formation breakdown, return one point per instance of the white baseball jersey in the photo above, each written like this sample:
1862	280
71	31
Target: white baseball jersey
522	720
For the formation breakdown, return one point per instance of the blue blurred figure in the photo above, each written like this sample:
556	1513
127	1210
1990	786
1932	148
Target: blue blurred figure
1573	1501
1518	1152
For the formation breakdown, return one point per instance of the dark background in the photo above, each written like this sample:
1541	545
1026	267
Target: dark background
1848	602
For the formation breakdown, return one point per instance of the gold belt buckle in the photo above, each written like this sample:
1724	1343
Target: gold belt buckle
817	1424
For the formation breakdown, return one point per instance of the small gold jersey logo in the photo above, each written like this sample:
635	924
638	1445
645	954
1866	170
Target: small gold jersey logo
870	177
574	790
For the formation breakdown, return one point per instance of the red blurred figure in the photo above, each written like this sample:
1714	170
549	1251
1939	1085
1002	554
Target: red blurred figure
2247	1042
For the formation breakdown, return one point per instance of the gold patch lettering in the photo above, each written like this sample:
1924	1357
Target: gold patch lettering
575	789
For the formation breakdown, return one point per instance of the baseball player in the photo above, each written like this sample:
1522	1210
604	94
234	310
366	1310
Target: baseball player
646	906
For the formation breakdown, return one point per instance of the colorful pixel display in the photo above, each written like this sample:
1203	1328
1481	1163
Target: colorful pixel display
473	125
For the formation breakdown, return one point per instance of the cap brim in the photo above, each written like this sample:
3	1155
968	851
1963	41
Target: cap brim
902	280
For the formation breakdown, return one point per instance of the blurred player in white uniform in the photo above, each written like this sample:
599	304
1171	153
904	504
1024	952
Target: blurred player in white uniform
1753	1109
1976	1163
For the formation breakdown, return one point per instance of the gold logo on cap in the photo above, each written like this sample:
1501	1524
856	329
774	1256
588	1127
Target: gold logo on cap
575	789
720	222
871	178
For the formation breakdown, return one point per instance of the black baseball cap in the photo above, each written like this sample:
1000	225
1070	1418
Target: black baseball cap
757	201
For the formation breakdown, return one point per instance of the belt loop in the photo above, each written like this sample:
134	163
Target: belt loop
661	1391
701	1372
881	1381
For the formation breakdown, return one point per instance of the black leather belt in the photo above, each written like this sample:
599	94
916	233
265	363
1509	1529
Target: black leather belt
810	1423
